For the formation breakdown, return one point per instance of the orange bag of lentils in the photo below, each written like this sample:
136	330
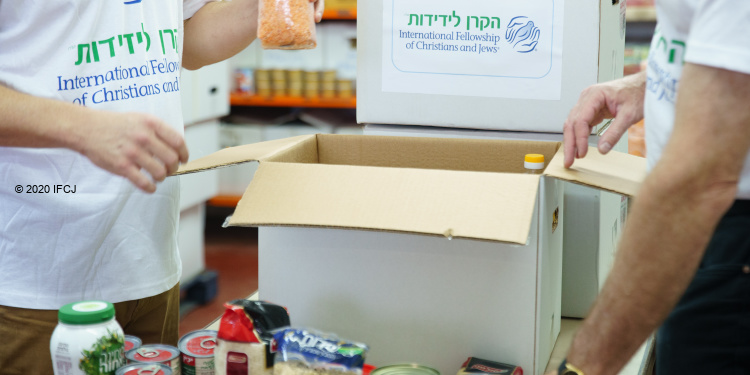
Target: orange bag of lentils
286	24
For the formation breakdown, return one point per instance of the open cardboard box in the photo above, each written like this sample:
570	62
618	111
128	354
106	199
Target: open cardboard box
429	250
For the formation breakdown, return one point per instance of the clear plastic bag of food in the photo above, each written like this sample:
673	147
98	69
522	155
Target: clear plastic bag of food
287	24
310	352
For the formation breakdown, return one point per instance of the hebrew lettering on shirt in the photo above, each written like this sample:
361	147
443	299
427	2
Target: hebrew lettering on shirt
148	38
681	45
81	47
111	42
129	39
173	37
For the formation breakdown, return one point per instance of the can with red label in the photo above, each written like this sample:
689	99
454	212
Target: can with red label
156	353
197	349
144	369
132	342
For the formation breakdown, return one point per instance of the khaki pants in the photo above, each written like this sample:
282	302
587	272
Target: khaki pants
25	334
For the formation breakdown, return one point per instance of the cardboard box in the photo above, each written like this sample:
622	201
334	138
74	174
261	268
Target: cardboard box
429	250
419	59
594	218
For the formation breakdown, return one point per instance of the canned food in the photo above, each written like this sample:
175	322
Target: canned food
244	81
156	353
132	342
144	369
405	369
197	349
478	366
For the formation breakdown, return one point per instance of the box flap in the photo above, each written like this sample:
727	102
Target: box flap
616	172
461	204
242	154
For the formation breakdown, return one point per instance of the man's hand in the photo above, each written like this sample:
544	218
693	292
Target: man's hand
127	144
222	29
121	143
319	6
621	99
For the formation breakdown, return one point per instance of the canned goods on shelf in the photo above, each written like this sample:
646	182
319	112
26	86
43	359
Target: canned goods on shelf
156	353
312	76
144	369
262	75
197	349
278	75
405	369
295	75
329	75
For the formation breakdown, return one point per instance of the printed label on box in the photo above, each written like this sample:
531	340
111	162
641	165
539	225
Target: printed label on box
473	48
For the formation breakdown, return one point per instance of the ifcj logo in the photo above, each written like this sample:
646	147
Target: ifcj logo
522	34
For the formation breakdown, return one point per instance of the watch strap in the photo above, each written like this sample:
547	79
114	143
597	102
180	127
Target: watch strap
568	369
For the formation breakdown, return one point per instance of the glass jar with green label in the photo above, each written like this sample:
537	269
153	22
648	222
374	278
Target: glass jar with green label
87	340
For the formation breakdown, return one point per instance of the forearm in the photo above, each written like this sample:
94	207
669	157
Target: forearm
29	121
218	31
673	218
662	246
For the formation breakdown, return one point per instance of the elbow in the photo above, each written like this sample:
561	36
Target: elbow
191	63
711	196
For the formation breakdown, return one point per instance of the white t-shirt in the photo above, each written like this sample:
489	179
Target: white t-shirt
74	231
707	32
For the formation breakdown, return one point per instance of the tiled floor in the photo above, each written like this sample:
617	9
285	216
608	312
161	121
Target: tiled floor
233	253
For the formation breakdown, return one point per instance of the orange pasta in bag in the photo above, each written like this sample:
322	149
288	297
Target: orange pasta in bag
286	24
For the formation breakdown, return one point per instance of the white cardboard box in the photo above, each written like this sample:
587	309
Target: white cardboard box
593	218
425	218
580	42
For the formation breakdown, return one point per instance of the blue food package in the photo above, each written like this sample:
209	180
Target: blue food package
318	350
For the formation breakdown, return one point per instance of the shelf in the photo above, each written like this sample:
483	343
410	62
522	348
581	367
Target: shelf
224	201
640	14
340	14
284	101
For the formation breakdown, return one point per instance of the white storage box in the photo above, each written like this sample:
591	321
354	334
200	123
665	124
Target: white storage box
450	251
505	65
594	218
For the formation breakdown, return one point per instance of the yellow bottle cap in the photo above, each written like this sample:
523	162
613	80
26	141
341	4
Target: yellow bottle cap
534	158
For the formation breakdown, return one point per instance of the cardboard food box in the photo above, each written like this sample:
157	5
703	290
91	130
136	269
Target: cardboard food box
594	218
484	64
429	250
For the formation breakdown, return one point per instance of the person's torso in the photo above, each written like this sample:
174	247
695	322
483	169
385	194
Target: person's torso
72	230
667	56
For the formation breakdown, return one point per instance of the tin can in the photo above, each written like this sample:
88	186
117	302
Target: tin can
156	353
144	369
405	369
197	350
478	366
244	80
132	342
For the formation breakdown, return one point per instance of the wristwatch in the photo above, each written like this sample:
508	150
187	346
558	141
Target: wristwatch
568	369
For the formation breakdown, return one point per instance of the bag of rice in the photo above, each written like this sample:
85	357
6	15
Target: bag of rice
286	24
309	352
244	337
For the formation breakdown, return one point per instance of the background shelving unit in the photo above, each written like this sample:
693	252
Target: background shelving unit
239	99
